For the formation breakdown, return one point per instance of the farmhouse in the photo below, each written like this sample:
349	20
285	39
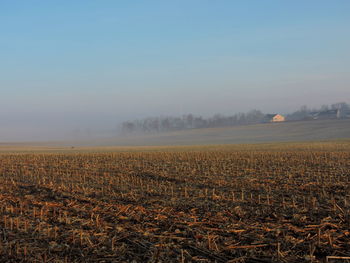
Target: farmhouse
274	118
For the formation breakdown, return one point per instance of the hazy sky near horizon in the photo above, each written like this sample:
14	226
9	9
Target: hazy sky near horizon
69	67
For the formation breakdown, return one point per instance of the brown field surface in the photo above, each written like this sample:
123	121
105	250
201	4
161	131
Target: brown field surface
277	202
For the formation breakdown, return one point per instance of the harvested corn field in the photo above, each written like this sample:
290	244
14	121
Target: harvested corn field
263	203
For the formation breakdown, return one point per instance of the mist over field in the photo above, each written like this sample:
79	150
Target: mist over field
175	131
76	71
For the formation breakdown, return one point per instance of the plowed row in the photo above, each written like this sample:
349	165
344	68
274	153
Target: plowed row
175	206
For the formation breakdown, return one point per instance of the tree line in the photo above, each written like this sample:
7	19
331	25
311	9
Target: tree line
190	121
306	113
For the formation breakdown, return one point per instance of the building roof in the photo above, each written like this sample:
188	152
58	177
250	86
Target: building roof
328	112
270	116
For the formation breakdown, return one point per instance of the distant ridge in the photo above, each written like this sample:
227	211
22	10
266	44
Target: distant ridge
298	131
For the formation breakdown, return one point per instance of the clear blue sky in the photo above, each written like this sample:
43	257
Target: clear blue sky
72	65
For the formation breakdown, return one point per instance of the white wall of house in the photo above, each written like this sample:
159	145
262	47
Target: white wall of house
278	118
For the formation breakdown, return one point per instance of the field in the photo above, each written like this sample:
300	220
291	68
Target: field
316	130
285	202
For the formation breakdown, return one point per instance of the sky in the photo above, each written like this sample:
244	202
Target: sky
69	68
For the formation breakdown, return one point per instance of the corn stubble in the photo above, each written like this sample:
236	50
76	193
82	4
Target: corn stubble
286	205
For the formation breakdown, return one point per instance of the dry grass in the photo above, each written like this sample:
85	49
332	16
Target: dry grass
247	203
